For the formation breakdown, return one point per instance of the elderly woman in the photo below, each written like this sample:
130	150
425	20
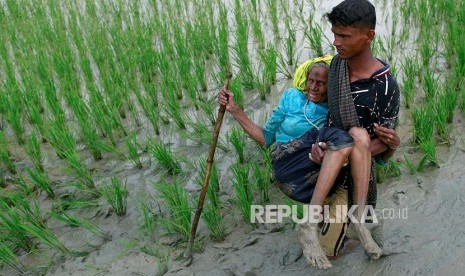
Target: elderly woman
295	125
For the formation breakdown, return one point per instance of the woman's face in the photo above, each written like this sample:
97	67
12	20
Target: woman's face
317	85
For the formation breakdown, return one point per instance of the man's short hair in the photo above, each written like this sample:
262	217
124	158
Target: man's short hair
355	13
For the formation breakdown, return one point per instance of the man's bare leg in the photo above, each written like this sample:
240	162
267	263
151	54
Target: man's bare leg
308	233
360	160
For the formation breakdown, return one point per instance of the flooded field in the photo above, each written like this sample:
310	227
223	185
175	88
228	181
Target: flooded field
107	111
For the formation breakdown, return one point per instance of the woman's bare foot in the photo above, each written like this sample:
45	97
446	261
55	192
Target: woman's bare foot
308	236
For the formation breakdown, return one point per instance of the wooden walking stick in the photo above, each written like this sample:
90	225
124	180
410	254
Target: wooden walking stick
208	169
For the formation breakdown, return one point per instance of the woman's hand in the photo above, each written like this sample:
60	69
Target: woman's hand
387	136
318	152
225	97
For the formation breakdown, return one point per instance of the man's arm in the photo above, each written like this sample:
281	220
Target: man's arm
387	142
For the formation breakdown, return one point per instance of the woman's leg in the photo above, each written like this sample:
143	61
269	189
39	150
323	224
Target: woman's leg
360	160
330	167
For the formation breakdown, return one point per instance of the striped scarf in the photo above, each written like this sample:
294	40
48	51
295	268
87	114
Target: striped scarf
340	101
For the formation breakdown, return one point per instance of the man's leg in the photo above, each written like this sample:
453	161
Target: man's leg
360	160
330	167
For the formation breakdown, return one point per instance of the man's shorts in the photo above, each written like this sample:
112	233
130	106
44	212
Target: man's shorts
332	235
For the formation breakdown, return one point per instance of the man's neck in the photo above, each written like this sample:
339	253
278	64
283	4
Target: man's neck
363	66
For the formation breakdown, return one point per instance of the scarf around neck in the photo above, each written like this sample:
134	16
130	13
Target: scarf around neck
340	102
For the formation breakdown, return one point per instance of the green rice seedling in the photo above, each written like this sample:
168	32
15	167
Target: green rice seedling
36	118
410	167
2	178
22	187
5	156
267	75
28	208
72	204
391	169
236	89
238	139
214	221
44	235
95	144
149	104
147	223
426	51
191	88
410	68
67	219
283	68
208	108
32	148
428	147
221	47
261	85
51	98
290	44
212	209
378	47
42	181
176	198
299	207
430	85
74	221
272	7
87	125
60	137
450	97
314	35
174	110
80	169
165	157
243	189
133	150
202	134
8	257
446	103
261	177
13	114
422	123
13	229
99	113
256	28
240	49
199	37
116	194
269	59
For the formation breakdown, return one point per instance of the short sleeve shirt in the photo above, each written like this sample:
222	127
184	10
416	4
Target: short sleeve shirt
376	100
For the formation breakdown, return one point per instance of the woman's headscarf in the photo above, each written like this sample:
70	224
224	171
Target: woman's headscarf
300	77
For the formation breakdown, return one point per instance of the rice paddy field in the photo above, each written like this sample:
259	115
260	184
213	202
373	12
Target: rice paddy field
107	110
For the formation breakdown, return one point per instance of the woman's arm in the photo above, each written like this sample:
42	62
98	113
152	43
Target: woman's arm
225	97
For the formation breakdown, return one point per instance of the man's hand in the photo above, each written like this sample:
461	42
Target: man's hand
225	97
387	136
318	152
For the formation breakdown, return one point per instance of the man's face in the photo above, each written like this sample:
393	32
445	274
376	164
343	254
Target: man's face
350	41
317	85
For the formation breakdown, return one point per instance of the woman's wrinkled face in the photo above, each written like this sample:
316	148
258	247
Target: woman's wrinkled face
317	85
